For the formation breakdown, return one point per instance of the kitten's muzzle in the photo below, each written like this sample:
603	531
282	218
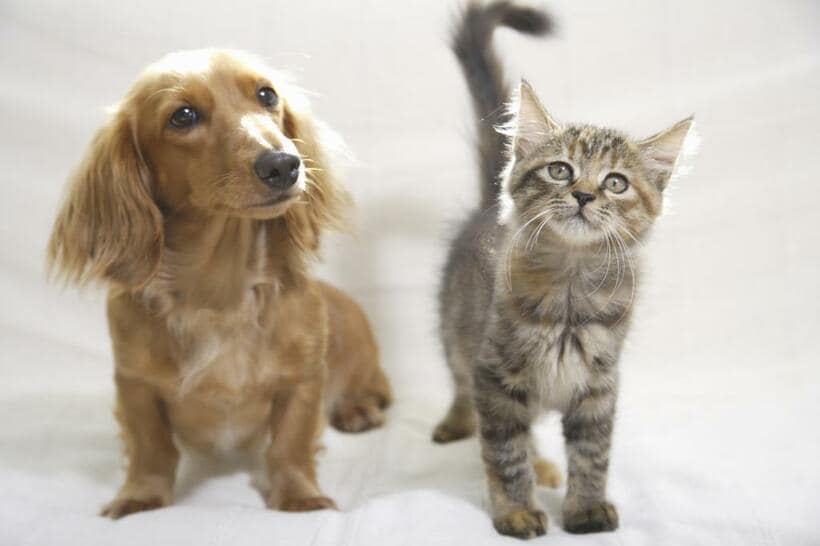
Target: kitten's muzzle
583	197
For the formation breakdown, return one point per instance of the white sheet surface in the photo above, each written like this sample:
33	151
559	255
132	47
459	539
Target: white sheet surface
717	439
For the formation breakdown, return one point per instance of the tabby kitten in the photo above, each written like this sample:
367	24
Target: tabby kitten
538	287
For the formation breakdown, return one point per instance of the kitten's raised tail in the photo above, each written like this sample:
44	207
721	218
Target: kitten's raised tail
472	44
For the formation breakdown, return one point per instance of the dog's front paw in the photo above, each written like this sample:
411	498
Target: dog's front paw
308	504
122	506
597	518
522	523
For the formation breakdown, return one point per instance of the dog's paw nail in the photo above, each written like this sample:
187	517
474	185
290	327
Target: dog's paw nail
357	416
309	504
124	506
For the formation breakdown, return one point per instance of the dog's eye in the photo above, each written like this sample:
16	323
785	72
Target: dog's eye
616	183
267	97
559	170
184	118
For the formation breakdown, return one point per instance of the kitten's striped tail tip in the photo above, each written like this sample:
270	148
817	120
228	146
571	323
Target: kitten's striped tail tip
527	18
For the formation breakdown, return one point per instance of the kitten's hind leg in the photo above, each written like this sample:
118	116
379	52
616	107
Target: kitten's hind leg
547	473
460	421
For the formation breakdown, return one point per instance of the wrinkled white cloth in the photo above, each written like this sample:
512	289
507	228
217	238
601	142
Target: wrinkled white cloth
717	439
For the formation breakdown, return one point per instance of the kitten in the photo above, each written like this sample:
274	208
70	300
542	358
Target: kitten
538	286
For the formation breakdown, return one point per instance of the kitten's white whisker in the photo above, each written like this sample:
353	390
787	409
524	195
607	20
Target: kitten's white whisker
512	247
633	279
533	239
606	273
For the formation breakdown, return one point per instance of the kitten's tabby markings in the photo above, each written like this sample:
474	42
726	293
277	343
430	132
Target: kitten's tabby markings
538	289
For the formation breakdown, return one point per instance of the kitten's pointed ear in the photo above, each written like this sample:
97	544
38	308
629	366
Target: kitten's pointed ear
532	121
663	149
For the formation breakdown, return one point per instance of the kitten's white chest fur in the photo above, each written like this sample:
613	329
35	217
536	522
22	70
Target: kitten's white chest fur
559	370
563	358
564	347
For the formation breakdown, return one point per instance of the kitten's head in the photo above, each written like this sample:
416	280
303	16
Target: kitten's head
582	183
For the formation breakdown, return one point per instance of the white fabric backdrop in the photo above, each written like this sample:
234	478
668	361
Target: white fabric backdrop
717	440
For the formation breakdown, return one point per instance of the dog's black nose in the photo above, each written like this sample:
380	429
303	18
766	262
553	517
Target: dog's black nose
277	170
583	197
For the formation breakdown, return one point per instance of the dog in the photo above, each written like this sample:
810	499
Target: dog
200	206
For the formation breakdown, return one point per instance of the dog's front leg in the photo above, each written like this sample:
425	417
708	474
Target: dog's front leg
152	455
295	426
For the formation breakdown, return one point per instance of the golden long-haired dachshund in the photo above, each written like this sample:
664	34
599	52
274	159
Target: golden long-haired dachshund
200	204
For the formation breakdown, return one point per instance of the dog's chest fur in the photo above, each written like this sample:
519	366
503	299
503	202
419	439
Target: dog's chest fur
221	351
216	306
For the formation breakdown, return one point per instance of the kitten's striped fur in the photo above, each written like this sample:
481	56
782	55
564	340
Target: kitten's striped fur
538	289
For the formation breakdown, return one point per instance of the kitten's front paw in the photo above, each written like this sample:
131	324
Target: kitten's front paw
522	524
592	519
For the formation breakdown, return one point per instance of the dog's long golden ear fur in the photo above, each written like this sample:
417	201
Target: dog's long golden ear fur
109	227
325	200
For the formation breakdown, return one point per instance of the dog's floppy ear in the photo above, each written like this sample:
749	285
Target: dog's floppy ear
325	200
109	227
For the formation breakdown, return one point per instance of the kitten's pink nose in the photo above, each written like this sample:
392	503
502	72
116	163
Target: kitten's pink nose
583	197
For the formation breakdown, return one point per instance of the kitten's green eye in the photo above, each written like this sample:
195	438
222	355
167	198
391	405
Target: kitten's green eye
559	170
616	183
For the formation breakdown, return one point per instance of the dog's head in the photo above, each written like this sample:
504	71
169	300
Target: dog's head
215	131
